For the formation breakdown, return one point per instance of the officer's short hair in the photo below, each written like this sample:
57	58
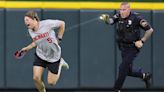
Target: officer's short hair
125	3
32	14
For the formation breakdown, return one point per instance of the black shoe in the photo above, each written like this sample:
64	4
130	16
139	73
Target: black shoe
146	79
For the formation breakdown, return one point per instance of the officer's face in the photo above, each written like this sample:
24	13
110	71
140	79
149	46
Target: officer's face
124	11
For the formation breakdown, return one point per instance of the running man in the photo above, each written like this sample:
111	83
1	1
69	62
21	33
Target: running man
48	51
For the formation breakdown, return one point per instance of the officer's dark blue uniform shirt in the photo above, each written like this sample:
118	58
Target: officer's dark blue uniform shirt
128	29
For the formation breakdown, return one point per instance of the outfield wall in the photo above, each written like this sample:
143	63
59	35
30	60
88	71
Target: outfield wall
88	46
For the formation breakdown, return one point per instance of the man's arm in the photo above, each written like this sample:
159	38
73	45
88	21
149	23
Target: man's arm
147	35
148	32
145	26
59	24
61	30
29	47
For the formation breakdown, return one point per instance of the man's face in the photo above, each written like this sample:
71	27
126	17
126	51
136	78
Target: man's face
29	22
124	11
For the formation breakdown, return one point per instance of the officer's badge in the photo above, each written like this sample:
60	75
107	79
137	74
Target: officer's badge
129	22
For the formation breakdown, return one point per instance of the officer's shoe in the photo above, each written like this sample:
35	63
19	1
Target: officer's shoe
64	64
146	79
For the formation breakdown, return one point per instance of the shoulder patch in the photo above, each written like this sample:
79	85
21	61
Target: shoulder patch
143	23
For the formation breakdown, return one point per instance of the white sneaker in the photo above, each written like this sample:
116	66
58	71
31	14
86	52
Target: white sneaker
64	64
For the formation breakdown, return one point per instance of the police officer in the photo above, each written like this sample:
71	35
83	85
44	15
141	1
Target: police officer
129	41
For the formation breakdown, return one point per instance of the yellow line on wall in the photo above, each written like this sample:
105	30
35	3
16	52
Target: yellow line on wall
78	5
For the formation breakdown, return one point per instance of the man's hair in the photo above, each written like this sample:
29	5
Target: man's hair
32	14
125	3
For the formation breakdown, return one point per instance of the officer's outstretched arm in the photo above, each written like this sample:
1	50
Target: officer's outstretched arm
106	18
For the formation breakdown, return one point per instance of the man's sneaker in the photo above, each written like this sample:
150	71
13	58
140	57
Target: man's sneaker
64	64
146	79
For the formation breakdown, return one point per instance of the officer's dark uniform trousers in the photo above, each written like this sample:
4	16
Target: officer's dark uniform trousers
126	67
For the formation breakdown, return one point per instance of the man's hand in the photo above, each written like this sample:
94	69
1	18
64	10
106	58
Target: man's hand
105	18
138	44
